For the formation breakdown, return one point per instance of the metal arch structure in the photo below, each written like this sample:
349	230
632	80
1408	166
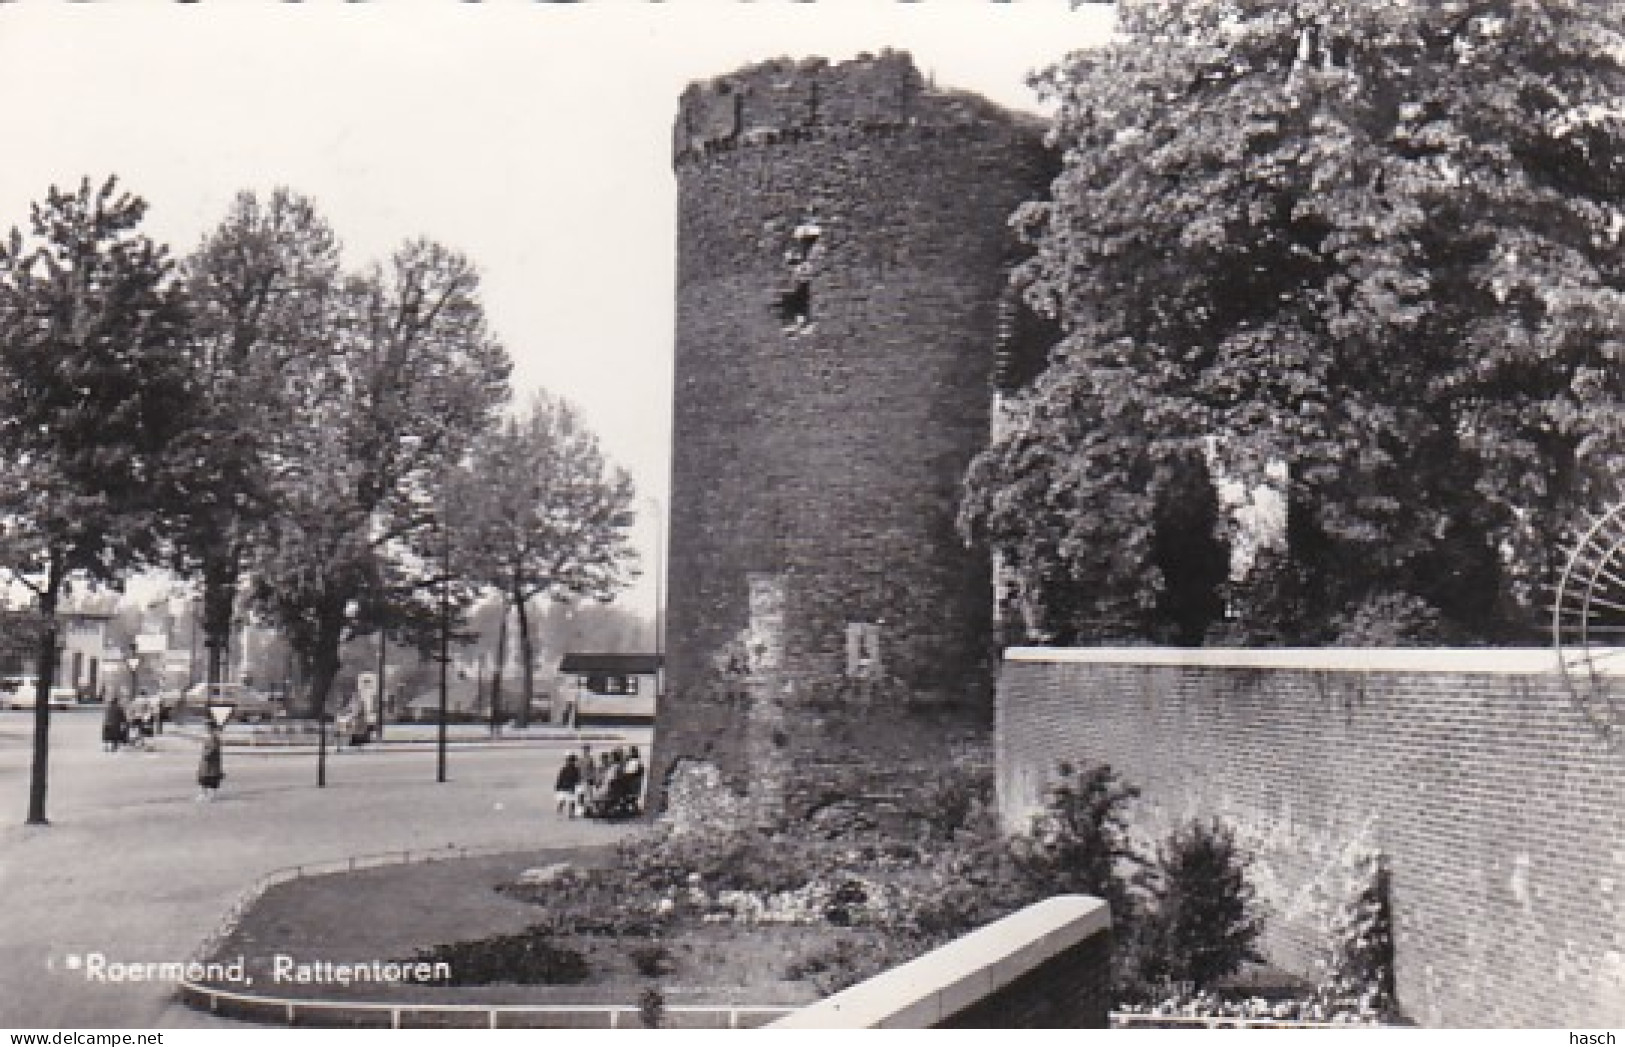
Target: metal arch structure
1588	622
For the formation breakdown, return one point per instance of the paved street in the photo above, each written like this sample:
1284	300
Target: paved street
133	868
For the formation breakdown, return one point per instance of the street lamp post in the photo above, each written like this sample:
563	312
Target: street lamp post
445	637
133	663
660	582
660	624
383	667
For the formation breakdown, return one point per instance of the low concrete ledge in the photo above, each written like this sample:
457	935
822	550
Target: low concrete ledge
1497	661
965	974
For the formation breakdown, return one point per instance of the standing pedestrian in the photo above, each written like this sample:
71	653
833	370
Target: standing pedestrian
609	778
211	765
565	786
140	721
588	781
113	726
632	783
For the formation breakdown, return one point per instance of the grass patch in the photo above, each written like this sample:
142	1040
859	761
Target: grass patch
393	913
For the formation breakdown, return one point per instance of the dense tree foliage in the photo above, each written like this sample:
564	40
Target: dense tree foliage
94	389
263	287
358	471
1375	244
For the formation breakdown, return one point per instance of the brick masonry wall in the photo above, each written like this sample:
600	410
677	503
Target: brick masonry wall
1069	991
1500	808
830	452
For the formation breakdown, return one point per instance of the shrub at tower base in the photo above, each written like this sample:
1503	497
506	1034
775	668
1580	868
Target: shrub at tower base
786	914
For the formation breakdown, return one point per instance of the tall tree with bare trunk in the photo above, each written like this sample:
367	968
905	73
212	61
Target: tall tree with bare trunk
357	470
264	291
549	517
94	389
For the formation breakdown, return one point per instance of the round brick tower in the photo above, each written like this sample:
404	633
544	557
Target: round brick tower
843	246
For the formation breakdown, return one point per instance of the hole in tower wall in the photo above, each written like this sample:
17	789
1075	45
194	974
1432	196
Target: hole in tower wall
794	306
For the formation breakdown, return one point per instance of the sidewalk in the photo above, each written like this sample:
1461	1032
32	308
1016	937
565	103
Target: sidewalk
133	869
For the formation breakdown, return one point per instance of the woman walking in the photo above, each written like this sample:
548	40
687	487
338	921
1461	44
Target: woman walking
211	766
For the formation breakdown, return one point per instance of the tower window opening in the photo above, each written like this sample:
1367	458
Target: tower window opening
803	242
794	306
863	650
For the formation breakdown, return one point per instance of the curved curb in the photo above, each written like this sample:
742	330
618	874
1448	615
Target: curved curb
360	1014
306	744
262	1009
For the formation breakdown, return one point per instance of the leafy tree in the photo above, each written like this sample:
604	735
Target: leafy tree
1202	924
358	471
1079	843
93	389
1378	244
263	287
548	517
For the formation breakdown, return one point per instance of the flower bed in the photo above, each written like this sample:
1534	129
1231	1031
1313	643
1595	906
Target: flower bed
844	906
770	912
785	916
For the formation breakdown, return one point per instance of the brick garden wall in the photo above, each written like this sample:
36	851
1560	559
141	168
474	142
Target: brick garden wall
826	453
1500	808
1070	991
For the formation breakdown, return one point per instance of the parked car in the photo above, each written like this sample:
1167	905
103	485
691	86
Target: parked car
249	706
19	692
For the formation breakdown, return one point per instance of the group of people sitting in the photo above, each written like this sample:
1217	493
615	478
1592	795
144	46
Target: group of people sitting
132	726
608	787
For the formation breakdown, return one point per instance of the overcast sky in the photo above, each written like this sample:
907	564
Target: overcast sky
535	138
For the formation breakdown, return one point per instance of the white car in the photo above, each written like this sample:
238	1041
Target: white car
17	692
20	693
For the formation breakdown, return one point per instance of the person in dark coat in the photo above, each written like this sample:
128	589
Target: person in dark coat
565	785
632	781
211	765
113	726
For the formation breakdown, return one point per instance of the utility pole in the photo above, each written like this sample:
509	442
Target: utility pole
496	671
191	661
660	582
378	695
445	635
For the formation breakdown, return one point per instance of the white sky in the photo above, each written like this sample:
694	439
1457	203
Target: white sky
535	138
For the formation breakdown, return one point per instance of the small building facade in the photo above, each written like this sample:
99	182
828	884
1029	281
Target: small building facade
610	689
82	656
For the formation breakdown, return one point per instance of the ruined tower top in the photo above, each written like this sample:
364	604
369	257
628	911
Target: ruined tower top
787	100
